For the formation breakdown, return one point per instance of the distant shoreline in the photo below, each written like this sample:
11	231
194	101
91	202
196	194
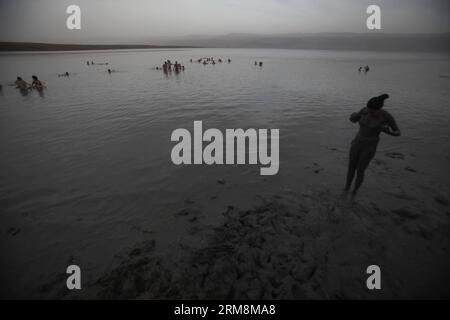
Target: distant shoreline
29	46
323	41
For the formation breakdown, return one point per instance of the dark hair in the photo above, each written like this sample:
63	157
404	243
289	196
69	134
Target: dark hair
376	103
34	77
19	78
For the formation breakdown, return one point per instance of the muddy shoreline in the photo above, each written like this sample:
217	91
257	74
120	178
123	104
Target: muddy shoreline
313	245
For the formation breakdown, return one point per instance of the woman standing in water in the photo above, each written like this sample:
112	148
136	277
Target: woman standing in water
37	84
372	121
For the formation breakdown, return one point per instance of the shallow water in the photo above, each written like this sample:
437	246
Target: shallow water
86	168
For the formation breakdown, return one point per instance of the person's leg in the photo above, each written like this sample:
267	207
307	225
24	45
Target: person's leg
352	165
366	155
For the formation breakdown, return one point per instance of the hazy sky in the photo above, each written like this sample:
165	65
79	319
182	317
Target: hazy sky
106	21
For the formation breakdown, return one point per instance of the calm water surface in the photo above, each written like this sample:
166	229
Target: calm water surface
85	168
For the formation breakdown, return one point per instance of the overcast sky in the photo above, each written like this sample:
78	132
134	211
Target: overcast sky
114	21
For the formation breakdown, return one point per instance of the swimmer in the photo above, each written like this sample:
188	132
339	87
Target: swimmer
37	84
177	67
260	64
22	84
372	121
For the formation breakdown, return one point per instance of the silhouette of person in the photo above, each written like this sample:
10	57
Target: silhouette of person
372	121
37	84
21	84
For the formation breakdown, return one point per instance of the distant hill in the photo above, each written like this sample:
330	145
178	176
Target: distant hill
27	46
317	41
322	41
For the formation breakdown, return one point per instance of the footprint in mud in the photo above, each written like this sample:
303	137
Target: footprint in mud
13	231
135	252
402	196
317	168
379	162
406	213
190	215
183	213
408	168
395	155
442	200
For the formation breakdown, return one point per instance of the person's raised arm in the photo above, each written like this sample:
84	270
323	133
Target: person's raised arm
391	128
355	116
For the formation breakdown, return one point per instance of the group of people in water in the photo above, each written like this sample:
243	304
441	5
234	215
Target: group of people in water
25	86
168	66
35	83
210	60
365	69
91	63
